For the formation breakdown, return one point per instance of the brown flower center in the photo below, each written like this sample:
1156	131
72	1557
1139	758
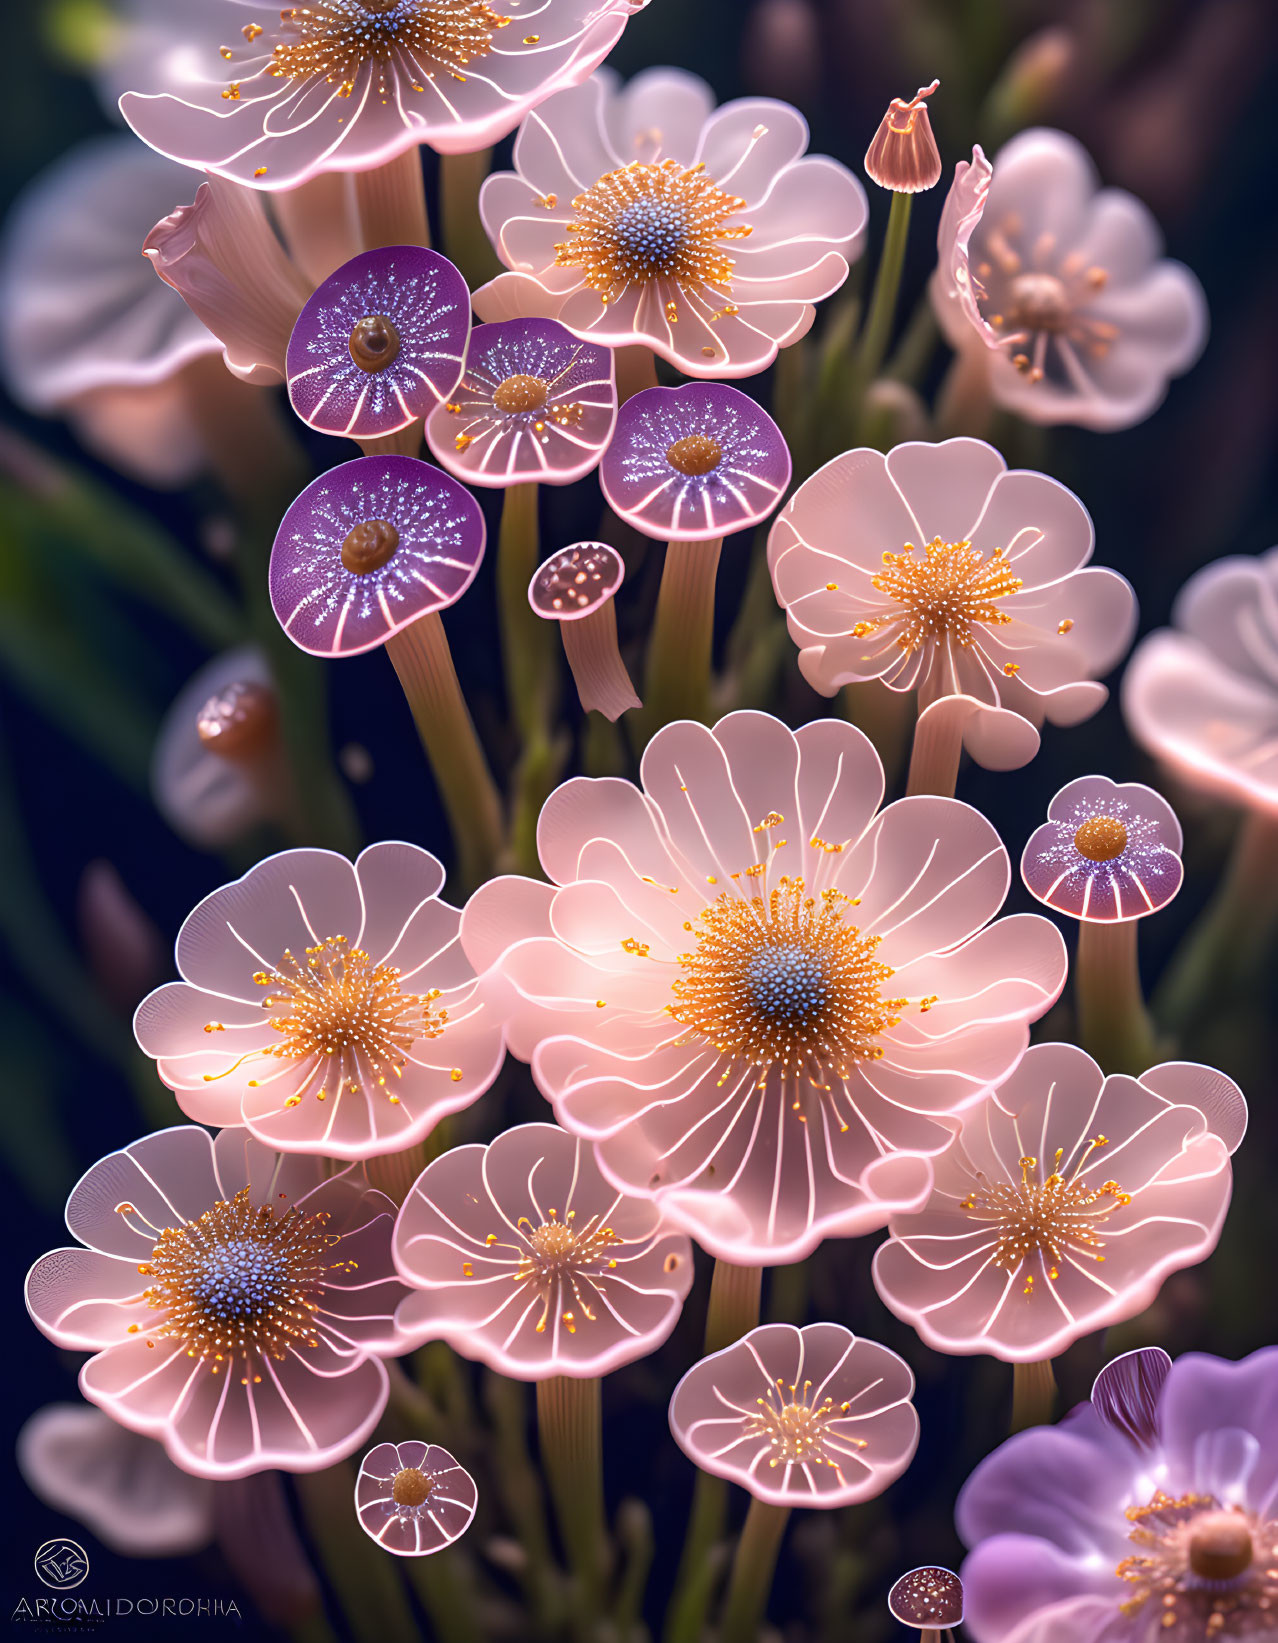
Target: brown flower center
1101	838
369	545
411	1487
1039	302
520	394
695	455
374	343
1201	1570
240	722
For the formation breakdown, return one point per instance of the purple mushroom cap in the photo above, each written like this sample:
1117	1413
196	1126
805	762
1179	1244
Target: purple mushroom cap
576	581
369	547
930	1598
694	463
533	403
379	342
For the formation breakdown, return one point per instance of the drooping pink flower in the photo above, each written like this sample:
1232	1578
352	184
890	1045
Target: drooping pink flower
272	98
937	568
413	1498
522	1255
1061	287
534	403
799	1417
237	1300
694	463
1203	694
1107	851
326	1005
641	214
762	1002
1063	1204
122	1486
85	330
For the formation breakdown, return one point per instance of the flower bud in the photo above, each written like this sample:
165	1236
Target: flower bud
904	156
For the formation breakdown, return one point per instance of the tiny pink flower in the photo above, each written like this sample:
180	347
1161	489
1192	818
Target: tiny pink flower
799	1417
522	1255
413	1498
1203	695
641	214
1063	1204
85	330
1062	288
937	568
272	98
121	1486
762	1002
237	1300
694	463
533	404
326	1005
1106	852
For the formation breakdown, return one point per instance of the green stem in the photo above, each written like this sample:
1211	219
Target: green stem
365	1579
638	1547
677	681
1113	1024
1033	1394
734	1304
520	1485
887	284
752	1570
461	176
527	640
698	1567
788	1293
445	1594
885	716
569	1429
424	663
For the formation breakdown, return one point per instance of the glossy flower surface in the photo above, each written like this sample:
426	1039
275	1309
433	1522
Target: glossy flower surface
270	98
367	548
533	403
694	463
1203	695
120	1485
642	214
413	1498
1080	1534
522	1255
379	343
327	1006
85	328
1063	1204
760	1000
937	568
1108	851
236	1300
799	1417
1062	287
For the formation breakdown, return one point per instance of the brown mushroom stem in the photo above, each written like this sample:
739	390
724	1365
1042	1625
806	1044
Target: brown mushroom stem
935	753
1033	1394
734	1304
390	201
403	442
424	663
461	176
569	1432
319	223
1113	1023
527	645
636	370
590	644
677	681
752	1570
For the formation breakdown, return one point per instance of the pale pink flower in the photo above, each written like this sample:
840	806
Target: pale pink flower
85	331
1061	287
762	1002
122	1486
1063	1204
271	98
1203	695
522	1255
641	214
937	568
413	1498
1107	852
238	1301
326	1005
799	1417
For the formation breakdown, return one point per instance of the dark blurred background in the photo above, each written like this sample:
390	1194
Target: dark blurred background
1173	100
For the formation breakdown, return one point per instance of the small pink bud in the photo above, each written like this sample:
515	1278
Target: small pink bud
904	156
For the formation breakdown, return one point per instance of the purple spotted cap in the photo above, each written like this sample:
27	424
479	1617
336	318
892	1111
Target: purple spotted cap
534	402
379	342
929	1598
576	581
1107	852
694	463
369	547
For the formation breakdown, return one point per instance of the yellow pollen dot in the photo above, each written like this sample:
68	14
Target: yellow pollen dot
1064	625
1101	838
